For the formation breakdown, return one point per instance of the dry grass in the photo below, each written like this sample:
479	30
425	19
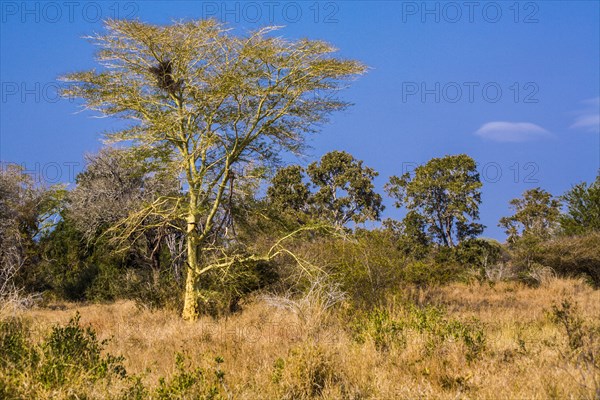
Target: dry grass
270	353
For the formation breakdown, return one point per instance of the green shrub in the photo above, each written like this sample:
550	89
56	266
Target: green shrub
71	351
366	267
434	321
197	384
379	327
387	332
222	293
423	273
13	342
478	254
70	358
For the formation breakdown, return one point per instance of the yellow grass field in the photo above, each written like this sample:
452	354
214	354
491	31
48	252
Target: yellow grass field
271	353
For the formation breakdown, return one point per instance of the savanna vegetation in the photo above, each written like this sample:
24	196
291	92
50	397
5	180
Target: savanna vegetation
189	261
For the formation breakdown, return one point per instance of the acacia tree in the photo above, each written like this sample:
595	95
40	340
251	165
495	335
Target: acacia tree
211	105
445	192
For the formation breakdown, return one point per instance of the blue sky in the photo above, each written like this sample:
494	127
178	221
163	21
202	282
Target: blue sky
515	85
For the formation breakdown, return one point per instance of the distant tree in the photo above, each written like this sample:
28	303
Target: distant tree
343	190
479	254
212	104
410	234
115	184
583	209
27	209
288	191
445	194
536	216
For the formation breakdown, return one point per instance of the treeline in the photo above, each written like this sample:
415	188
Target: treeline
306	233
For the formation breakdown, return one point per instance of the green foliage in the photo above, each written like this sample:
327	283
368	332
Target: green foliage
288	191
410	236
183	384
445	193
379	327
478	254
27	208
339	173
583	209
536	215
566	315
430	272
74	351
343	191
388	331
13	343
221	293
366	267
199	383
278	367
75	269
372	264
70	356
67	270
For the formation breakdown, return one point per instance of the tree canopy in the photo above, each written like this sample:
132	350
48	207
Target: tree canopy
214	108
536	215
583	208
340	189
446	193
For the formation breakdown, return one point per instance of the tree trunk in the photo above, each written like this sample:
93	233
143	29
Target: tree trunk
156	263
190	299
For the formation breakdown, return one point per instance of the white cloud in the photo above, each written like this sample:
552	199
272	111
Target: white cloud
502	131
588	119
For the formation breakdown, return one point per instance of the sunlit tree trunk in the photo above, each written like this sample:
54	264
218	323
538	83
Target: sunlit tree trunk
190	298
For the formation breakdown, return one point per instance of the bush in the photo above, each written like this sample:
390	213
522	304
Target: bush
196	384
72	351
371	265
70	358
70	363
478	254
379	327
573	256
387	331
14	336
430	272
222	293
